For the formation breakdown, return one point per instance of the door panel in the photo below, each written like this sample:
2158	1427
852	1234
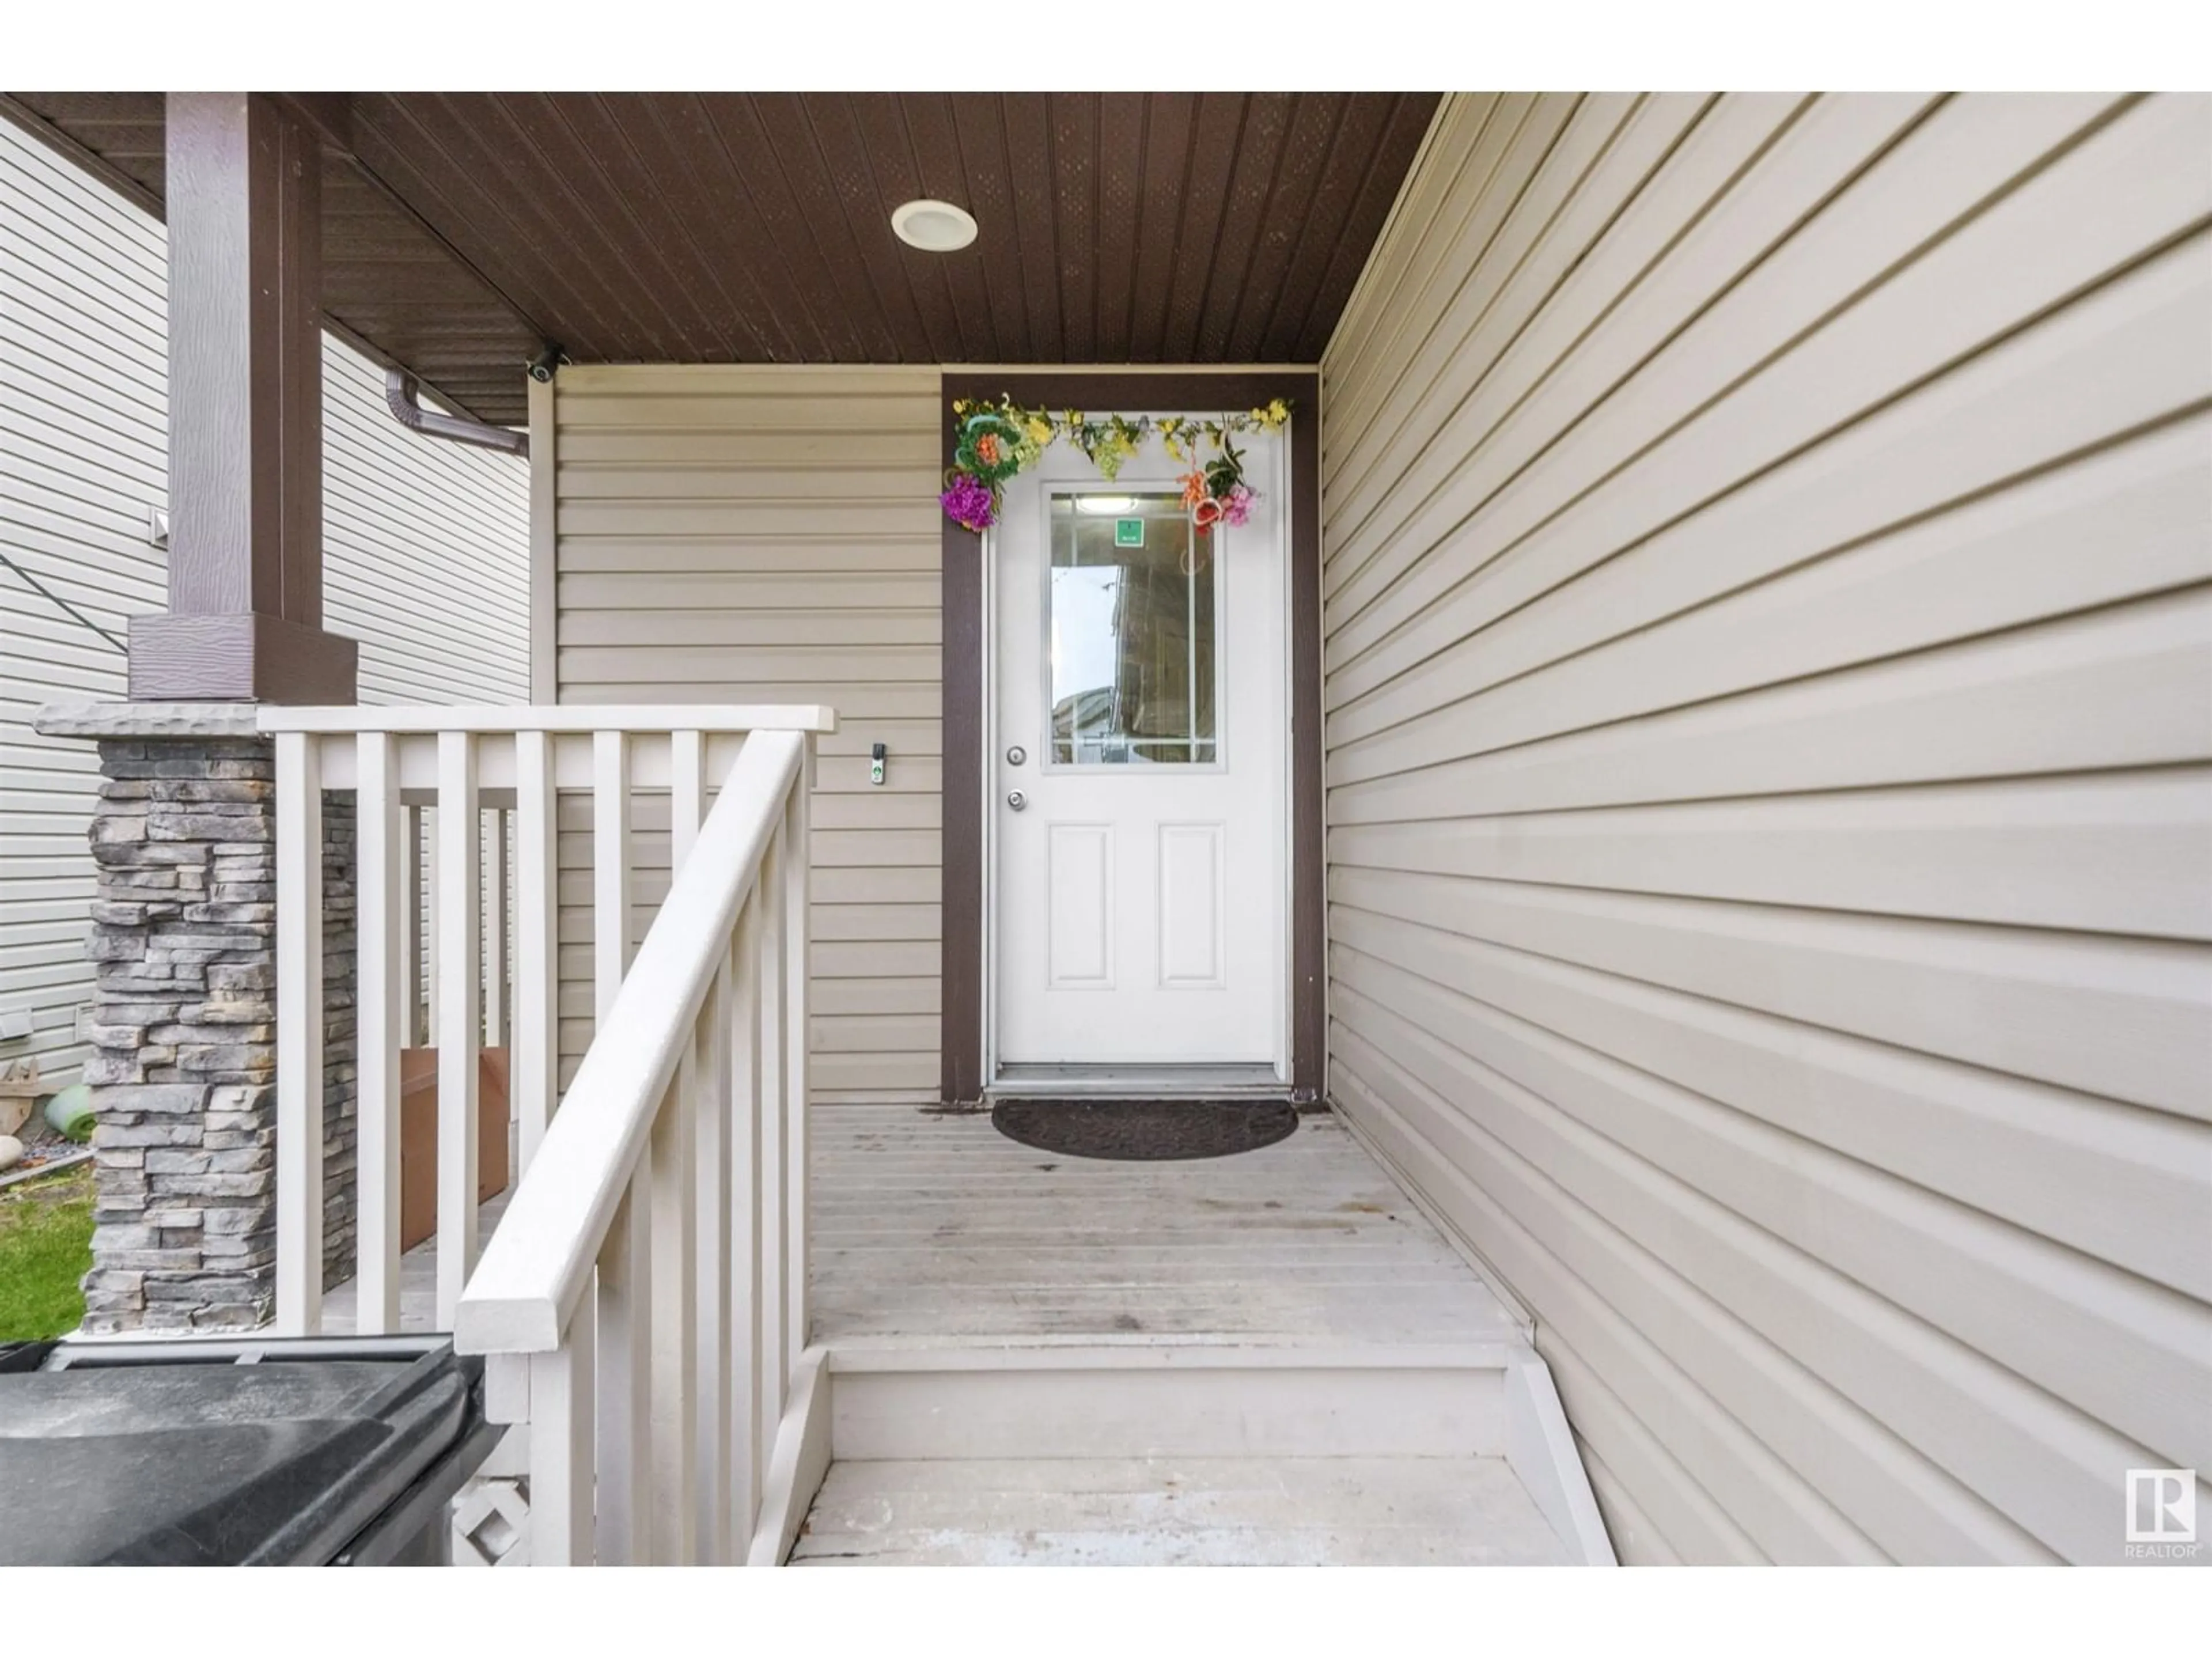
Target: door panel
1079	882
1140	840
1192	953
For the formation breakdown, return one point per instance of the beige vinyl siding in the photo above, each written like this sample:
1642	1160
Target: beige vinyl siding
1769	695
426	546
771	534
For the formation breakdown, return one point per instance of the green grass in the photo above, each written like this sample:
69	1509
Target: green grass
46	1248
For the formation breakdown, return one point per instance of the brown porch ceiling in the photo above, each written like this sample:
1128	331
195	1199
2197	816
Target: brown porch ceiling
464	230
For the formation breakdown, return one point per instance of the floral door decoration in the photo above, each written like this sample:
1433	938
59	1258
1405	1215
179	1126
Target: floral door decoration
996	440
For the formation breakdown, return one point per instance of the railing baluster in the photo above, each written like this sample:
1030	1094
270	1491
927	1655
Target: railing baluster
299	1034
625	1337
710	1389
610	858
687	796
498	997
798	913
563	1465
674	1436
747	1467
412	1025
494	930
774	1166
621	1396
458	1021
675	1201
434	932
534	1059
380	1031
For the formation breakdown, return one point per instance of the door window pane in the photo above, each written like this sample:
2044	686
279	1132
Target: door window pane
1132	642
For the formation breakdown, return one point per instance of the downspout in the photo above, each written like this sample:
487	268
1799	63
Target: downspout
402	394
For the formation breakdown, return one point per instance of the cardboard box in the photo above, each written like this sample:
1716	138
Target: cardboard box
418	1137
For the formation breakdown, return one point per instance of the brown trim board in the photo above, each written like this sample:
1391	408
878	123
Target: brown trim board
961	1079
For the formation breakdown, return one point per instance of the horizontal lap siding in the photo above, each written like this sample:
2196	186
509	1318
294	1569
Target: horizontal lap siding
1769	730
425	546
769	535
83	455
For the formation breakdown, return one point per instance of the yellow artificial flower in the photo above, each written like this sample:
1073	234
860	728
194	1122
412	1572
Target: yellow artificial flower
1040	430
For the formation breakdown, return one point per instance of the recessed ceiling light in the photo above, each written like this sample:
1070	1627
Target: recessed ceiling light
933	226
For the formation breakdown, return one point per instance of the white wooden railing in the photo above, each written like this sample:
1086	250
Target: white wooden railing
641	1304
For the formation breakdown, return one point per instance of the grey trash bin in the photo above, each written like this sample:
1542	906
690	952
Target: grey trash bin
303	1451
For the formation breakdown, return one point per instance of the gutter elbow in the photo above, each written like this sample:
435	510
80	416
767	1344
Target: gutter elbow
402	396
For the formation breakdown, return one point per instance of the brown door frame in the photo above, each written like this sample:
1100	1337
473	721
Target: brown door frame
962	1075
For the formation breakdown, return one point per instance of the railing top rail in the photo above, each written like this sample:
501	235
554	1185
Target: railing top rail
539	1261
566	718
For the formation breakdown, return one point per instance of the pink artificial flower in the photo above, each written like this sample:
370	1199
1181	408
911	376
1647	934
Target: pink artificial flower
967	503
1239	508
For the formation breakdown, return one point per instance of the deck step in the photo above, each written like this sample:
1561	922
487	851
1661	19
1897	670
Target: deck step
1201	1400
1199	1451
1165	1512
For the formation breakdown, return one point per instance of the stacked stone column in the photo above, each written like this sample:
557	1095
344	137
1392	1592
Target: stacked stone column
183	1066
184	1032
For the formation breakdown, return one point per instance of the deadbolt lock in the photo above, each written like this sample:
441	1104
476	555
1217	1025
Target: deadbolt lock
1016	756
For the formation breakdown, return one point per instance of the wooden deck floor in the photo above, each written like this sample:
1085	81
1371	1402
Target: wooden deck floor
928	1227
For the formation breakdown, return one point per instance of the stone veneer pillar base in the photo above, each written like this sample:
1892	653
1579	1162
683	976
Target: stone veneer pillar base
184	1067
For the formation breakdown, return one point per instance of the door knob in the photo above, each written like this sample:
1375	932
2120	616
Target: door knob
1015	800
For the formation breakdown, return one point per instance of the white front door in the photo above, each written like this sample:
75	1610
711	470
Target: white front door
1138	767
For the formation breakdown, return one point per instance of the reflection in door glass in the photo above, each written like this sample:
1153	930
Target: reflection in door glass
1133	638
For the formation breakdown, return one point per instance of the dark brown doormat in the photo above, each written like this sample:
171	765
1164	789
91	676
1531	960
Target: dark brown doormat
1136	1131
